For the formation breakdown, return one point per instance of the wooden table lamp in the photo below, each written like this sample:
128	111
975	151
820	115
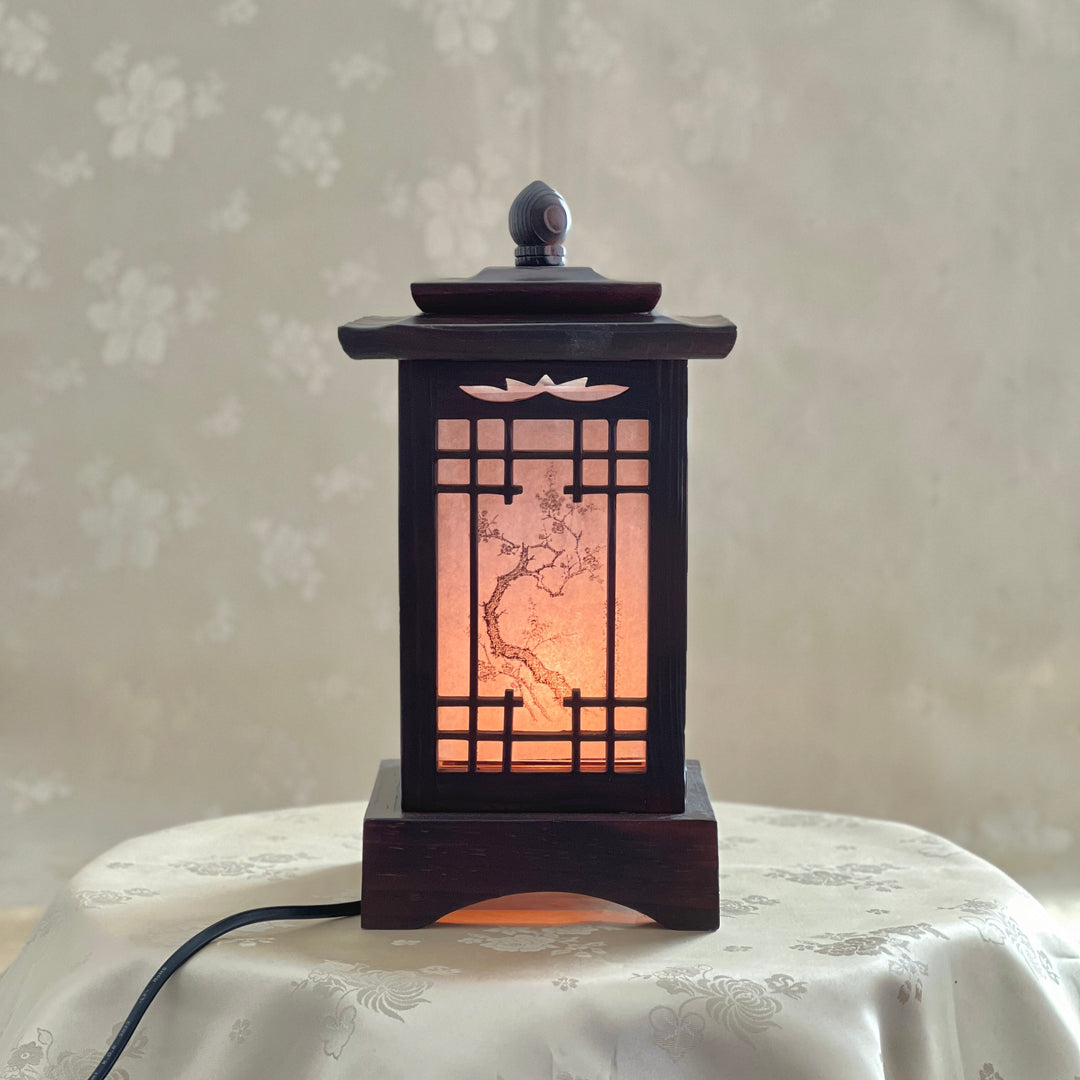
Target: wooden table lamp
542	561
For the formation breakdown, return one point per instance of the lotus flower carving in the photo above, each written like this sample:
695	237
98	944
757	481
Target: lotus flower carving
571	390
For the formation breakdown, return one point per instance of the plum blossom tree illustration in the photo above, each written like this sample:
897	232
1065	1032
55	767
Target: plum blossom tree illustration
547	562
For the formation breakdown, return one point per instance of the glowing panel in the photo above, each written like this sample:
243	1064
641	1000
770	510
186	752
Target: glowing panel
453	718
488	719
594	435
594	757
633	472
453	471
489	435
630	719
542	602
632	435
631	595
540	757
489	471
629	756
594	471
452	603
453	755
489	756
543	434
593	719
453	434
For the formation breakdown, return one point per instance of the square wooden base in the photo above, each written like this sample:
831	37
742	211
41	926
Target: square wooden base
421	866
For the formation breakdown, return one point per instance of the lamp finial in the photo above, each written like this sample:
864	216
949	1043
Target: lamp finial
539	222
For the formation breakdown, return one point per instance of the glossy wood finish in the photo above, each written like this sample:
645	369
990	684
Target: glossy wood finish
502	290
436	840
420	866
528	337
539	221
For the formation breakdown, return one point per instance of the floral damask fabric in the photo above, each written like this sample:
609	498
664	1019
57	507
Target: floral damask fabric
952	972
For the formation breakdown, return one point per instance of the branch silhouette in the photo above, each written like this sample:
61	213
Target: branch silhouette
555	558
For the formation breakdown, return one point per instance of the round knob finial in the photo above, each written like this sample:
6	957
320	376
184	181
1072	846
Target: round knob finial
539	222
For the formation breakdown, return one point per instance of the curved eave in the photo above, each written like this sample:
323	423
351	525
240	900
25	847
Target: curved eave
568	337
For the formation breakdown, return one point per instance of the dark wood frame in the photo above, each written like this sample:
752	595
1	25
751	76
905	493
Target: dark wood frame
421	866
429	390
646	352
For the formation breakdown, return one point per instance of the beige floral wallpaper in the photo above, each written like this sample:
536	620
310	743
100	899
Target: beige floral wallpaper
197	488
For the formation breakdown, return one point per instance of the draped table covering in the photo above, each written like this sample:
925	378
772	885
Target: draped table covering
848	949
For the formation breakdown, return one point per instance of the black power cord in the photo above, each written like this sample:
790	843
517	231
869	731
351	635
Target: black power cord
199	941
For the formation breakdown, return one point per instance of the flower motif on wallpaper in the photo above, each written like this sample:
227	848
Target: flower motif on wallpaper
353	275
367	68
237	12
462	28
64	172
587	45
149	106
199	302
351	481
24	41
141	310
220	627
20	251
235	215
225	420
461	209
137	315
16	455
297	350
305	143
128	521
189	506
42	582
39	791
287	555
519	104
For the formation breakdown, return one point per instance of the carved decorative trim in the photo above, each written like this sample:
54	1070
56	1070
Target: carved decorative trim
571	390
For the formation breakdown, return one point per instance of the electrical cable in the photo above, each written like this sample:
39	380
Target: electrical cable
199	941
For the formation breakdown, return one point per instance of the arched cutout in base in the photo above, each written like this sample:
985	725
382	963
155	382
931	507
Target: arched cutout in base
544	909
420	866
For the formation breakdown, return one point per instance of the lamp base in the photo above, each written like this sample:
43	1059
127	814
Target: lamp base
419	866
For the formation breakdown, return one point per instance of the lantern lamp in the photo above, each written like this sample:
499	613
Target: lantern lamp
542	562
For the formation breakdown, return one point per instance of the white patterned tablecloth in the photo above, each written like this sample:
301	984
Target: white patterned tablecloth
849	949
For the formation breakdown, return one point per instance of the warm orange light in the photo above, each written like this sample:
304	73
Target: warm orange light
544	595
544	909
